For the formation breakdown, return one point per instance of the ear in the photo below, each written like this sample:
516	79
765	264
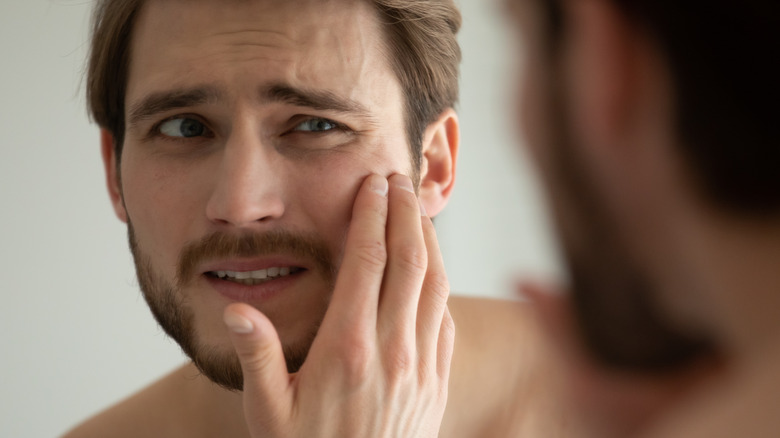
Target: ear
439	156
602	65
113	177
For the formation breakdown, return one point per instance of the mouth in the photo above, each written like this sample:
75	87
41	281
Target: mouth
252	278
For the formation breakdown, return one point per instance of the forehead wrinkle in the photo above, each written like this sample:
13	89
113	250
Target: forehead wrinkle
305	56
361	58
267	39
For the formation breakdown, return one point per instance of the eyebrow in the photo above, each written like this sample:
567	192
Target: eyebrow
163	101
320	100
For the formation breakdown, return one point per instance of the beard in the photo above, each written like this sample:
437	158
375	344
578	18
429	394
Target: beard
614	297
168	301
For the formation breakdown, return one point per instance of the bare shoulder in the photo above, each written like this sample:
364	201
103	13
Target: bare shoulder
501	326
149	412
494	362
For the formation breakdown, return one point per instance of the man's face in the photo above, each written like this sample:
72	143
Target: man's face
250	126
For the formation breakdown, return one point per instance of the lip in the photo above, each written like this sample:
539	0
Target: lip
254	264
259	293
254	294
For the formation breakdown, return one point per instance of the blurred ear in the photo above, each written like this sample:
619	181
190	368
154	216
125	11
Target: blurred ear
604	65
113	178
439	156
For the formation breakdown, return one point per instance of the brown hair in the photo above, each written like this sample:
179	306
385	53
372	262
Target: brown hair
721	56
420	37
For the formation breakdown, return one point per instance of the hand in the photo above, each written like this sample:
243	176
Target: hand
379	366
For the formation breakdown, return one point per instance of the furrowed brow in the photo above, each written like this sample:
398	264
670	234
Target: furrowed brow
314	99
163	101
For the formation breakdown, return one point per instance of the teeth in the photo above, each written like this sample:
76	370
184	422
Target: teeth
255	277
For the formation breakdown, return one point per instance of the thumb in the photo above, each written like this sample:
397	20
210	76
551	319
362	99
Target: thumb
266	381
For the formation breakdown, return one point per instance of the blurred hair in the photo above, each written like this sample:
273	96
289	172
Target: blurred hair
722	58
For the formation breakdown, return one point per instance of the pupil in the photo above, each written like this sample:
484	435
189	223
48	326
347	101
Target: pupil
191	128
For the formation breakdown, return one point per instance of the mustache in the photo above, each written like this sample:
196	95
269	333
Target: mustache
220	245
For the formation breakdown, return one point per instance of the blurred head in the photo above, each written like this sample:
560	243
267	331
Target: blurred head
638	112
236	134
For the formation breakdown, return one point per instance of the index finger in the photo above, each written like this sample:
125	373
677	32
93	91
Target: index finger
353	305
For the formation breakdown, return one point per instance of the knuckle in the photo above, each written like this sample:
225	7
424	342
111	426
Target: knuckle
372	254
426	371
448	328
400	363
442	393
446	340
412	258
256	361
355	357
438	286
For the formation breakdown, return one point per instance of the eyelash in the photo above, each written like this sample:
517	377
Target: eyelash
155	131
301	119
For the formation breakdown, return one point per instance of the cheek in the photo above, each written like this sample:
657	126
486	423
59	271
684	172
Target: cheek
159	203
327	191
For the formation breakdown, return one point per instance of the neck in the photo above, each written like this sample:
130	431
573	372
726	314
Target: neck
216	411
735	264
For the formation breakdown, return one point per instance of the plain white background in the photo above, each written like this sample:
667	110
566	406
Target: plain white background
75	332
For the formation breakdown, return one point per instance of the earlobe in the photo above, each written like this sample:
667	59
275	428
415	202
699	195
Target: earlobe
113	177
439	157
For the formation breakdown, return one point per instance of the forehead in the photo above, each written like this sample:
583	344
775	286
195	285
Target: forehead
331	45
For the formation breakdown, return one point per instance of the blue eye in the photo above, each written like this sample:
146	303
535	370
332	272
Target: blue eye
182	127
316	125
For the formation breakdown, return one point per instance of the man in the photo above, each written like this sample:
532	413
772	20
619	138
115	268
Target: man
258	152
653	125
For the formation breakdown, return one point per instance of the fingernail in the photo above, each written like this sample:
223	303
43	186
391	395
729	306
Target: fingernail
422	208
403	182
379	185
237	323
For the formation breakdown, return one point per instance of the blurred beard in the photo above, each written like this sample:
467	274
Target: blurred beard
613	296
168	302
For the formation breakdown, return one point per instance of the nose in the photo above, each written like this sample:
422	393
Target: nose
248	188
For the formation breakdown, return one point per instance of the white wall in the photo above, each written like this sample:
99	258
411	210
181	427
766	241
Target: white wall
75	334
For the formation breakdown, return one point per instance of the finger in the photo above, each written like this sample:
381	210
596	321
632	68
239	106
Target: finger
445	346
353	305
434	296
266	382
407	262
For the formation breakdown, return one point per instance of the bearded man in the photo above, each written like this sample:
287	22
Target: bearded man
277	164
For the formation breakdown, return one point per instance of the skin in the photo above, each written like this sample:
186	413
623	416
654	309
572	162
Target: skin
385	361
713	271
